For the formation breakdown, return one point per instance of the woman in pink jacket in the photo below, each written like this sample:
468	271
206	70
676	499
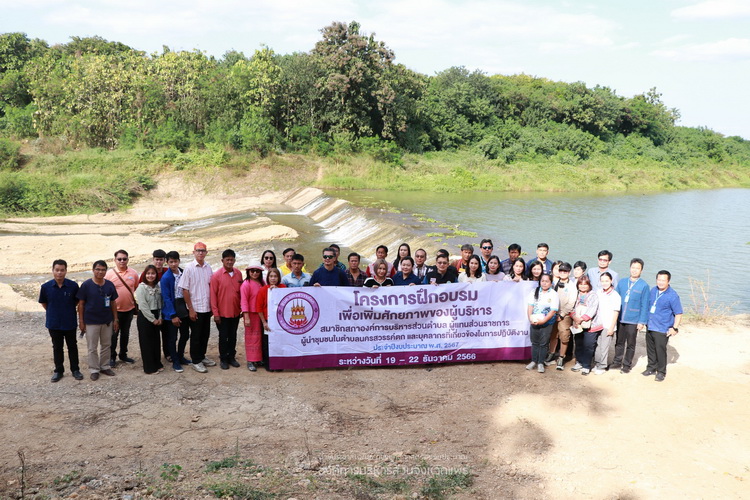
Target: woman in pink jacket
248	301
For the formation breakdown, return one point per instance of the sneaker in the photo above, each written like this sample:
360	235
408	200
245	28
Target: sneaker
585	371
251	366
625	370
177	367
234	363
560	363
599	371
531	366
577	367
540	368
185	361
199	367
648	373
615	366
208	362
549	359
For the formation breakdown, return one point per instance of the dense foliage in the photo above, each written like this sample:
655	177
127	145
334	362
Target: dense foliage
345	96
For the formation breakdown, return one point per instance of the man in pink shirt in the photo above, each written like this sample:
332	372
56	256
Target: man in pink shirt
225	306
126	281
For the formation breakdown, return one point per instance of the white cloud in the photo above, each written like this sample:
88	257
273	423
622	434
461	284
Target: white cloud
714	9
731	49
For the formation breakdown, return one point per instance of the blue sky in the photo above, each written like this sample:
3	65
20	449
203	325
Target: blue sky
695	52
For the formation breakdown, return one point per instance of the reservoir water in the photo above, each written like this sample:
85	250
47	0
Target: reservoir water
703	235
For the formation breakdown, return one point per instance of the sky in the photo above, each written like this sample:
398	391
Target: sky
696	53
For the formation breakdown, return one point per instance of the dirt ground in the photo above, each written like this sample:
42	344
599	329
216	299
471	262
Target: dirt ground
494	429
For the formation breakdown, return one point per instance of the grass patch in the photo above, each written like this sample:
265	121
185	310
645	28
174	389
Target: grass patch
239	490
703	308
378	486
441	485
67	478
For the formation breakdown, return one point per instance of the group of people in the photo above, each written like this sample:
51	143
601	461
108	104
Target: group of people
572	308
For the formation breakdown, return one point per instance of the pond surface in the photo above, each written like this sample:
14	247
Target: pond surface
698	235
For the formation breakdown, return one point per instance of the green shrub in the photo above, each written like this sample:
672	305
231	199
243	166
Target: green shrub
9	154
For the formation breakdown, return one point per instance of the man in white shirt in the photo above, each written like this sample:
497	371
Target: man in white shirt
195	285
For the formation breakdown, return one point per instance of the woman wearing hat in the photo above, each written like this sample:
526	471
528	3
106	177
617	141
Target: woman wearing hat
248	301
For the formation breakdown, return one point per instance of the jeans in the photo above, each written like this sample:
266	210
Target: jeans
125	319
585	347
540	341
627	334
59	339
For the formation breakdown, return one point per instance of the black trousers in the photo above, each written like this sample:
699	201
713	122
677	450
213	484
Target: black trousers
656	349
59	339
125	319
627	335
149	338
228	338
200	330
174	348
165	336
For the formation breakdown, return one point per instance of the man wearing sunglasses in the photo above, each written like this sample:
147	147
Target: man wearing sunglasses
486	247
329	274
126	280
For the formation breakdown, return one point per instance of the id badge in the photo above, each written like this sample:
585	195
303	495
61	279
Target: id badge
106	301
653	309
627	297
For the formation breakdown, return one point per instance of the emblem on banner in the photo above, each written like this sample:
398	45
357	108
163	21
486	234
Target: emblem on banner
298	313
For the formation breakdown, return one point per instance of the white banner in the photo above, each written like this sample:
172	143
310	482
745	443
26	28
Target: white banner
315	327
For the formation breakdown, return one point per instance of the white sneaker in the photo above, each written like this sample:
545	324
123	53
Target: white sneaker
208	362
199	367
577	367
585	371
540	368
531	366
599	371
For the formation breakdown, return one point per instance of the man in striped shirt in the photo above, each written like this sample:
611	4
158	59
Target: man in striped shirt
195	285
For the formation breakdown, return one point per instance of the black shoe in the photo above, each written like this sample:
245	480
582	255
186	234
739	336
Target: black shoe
234	363
77	375
615	366
168	358
127	359
95	376
112	362
660	377
185	361
625	370
56	377
648	373
224	365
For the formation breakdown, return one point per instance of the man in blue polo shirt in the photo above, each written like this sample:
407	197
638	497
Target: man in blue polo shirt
634	294
329	274
58	297
664	316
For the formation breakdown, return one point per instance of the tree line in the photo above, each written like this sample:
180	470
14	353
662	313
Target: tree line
347	94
